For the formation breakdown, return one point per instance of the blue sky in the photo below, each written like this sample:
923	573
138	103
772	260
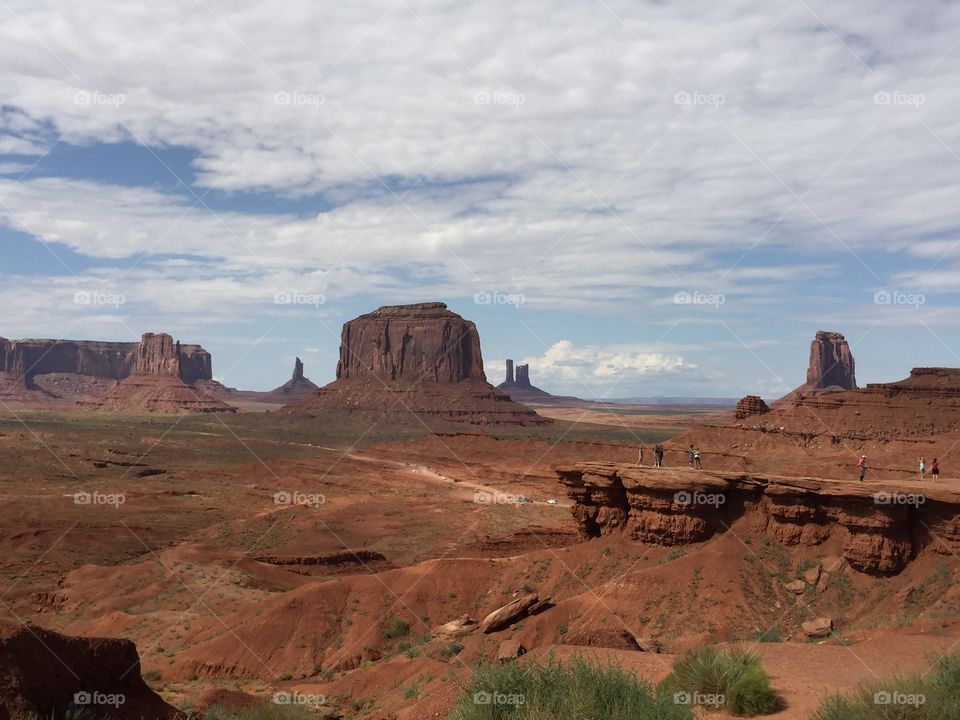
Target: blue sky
635	198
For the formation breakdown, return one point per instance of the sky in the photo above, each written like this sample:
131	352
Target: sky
636	198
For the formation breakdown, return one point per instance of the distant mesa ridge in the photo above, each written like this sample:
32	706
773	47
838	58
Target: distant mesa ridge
25	359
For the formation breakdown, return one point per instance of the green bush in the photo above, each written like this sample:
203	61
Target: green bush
396	629
265	712
549	690
932	696
730	678
750	694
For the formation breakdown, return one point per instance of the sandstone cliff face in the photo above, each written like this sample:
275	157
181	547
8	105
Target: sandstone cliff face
41	670
411	343
25	359
675	507
831	363
421	359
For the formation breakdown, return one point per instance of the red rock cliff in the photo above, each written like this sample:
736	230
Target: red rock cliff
411	343
879	532
831	363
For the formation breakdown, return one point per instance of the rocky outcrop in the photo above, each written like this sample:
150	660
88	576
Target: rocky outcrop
519	388
750	405
879	527
295	388
159	381
831	363
45	674
25	359
421	359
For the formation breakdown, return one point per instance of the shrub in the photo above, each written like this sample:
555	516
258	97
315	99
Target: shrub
734	678
549	690
932	696
395	629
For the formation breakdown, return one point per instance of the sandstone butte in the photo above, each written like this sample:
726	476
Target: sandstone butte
421	359
158	381
678	507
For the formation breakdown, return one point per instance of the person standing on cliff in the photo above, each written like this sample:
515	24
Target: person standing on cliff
935	470
658	455
923	466
862	464
640	459
696	458
690	455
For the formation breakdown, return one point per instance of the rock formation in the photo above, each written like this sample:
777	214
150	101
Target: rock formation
45	674
295	388
410	344
521	390
750	405
676	507
96	366
831	365
419	358
162	370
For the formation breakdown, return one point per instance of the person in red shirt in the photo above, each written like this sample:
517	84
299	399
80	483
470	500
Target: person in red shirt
862	464
935	470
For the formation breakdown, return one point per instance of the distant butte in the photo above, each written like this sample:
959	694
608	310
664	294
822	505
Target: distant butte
421	359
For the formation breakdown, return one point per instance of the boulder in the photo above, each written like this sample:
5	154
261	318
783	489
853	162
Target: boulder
819	628
454	629
796	586
510	650
812	575
508	614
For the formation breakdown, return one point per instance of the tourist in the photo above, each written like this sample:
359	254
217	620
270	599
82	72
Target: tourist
935	470
658	455
690	455
862	464
923	467
696	458
640	460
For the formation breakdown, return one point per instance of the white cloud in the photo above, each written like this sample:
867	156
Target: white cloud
605	371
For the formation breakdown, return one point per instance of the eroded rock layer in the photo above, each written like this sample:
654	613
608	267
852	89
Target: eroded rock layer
879	527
